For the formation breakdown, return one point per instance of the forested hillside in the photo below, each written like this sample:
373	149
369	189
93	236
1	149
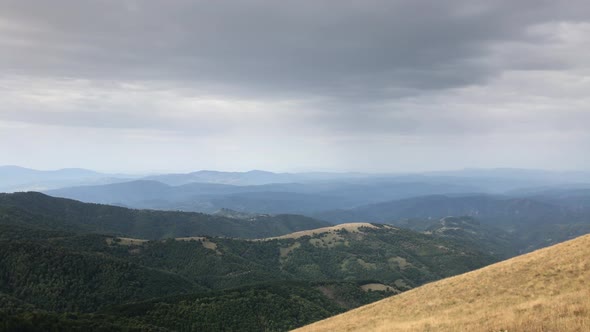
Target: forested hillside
546	290
59	279
39	210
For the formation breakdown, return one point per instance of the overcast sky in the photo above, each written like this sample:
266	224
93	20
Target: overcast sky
379	86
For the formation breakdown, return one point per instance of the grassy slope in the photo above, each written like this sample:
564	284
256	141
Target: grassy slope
547	290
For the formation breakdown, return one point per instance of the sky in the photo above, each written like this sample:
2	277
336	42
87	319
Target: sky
371	86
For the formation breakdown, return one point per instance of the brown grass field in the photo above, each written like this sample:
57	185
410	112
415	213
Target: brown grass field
546	290
351	227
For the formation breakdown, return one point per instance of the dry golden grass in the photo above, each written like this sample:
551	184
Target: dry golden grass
351	227
377	287
547	290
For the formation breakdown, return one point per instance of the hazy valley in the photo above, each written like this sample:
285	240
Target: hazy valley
150	269
274	166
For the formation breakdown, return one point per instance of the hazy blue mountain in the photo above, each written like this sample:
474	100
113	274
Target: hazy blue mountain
574	196
470	231
269	198
481	180
15	178
504	177
534	223
482	206
254	177
517	173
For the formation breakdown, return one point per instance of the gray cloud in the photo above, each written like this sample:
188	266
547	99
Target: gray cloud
261	75
293	48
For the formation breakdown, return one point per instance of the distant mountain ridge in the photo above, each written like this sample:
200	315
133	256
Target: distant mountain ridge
39	210
253	177
534	223
268	198
520	177
16	178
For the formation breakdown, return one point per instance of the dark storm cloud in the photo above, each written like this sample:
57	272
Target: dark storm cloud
366	50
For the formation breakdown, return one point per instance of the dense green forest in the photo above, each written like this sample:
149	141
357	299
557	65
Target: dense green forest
270	307
40	210
57	277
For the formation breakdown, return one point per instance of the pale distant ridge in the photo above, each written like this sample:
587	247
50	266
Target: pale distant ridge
546	290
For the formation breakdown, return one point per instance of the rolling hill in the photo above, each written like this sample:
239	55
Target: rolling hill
59	279
503	211
55	278
397	258
39	210
533	223
546	290
299	198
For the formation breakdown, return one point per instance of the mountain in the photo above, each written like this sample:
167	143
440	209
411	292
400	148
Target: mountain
576	198
72	279
298	198
545	290
39	210
533	223
488	180
484	207
15	178
254	177
231	178
470	231
304	193
397	258
358	251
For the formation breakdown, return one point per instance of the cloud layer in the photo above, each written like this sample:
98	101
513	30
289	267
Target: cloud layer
290	85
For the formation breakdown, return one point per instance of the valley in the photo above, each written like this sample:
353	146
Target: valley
75	265
272	166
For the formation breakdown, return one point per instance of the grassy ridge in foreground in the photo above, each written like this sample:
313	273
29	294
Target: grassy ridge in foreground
547	290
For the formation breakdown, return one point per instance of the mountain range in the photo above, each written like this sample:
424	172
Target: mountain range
73	265
259	251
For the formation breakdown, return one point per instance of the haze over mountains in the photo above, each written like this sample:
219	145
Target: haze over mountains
219	256
304	193
536	208
533	208
15	178
264	165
